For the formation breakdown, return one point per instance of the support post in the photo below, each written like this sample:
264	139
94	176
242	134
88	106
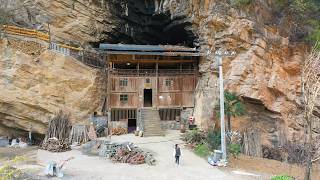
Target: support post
223	139
157	84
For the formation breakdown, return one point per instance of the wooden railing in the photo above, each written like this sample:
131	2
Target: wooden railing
32	33
14	30
89	58
151	72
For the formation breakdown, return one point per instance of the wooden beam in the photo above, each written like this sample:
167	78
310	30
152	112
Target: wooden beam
153	61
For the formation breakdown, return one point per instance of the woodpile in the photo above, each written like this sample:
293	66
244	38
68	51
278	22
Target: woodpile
122	153
55	145
28	47
79	134
56	139
59	126
119	131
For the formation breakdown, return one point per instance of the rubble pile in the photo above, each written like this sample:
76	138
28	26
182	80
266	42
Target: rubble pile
55	145
121	153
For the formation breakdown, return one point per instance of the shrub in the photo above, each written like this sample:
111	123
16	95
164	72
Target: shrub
202	150
7	171
214	139
195	137
282	177
234	149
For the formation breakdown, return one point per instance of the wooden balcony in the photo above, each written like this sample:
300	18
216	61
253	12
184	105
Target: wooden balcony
151	72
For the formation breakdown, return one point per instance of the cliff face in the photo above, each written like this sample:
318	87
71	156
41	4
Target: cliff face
32	88
265	72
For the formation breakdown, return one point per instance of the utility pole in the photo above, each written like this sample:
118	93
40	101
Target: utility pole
220	54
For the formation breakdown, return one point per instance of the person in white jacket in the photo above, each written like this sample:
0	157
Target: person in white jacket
177	153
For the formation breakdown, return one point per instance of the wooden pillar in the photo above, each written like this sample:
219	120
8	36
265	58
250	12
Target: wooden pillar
138	68
181	86
138	84
109	128
157	85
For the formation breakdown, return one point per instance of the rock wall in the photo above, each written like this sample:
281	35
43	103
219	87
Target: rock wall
265	72
34	88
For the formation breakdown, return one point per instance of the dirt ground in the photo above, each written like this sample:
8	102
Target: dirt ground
192	167
272	167
10	153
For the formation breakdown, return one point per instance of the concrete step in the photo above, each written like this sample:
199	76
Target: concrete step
152	123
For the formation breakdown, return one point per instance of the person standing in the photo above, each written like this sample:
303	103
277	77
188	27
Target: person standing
177	154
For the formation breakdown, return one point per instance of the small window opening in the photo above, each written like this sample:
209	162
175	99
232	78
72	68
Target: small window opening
123	82
169	82
148	80
123	98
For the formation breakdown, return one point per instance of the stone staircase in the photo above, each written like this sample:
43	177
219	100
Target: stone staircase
151	122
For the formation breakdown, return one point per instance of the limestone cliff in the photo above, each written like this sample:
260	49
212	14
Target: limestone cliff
32	88
265	72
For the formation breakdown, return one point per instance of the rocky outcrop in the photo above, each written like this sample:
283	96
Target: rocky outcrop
34	88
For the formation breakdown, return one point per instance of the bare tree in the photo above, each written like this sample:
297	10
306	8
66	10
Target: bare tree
311	90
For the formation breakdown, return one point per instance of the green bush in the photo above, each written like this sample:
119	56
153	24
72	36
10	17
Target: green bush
283	177
202	150
234	149
7	171
195	137
214	140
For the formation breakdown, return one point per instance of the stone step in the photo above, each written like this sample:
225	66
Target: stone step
152	123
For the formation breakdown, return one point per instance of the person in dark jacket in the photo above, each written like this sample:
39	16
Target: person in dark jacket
177	153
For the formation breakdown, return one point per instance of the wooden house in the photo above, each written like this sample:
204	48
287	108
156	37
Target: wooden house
144	76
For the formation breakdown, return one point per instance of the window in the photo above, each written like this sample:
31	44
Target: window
123	82
169	82
148	80
123	98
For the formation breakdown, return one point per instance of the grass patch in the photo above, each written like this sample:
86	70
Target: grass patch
202	150
282	177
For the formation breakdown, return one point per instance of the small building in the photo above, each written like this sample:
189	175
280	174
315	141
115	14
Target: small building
161	78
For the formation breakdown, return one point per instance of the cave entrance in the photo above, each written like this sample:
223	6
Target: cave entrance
149	22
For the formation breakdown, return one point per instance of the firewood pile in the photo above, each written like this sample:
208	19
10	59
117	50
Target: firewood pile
27	47
56	139
55	145
79	134
119	131
121	153
124	155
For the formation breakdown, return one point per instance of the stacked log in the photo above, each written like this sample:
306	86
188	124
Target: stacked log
121	153
55	145
119	131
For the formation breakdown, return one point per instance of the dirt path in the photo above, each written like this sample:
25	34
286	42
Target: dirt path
192	167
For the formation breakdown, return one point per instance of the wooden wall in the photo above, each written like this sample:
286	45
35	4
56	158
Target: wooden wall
179	94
